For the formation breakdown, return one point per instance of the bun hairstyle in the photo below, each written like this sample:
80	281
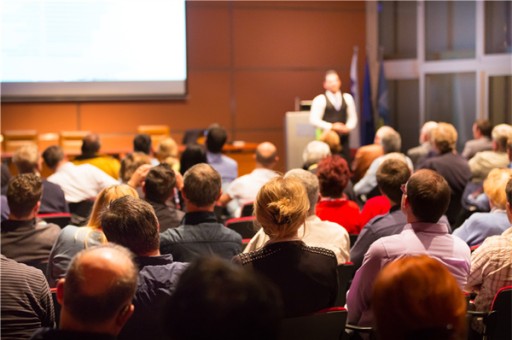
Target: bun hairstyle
281	207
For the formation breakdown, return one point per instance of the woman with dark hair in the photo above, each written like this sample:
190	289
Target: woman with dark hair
334	174
306	276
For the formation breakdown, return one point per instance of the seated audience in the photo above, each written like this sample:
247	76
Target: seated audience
27	161
23	238
366	154
421	152
79	182
306	276
216	137
216	300
90	155
167	152
390	177
491	266
483	162
314	232
73	239
391	143
333	174
245	188
158	189
131	223
425	199
96	295
481	225
200	234
481	141
313	153
452	166
192	155
26	300
416	297
142	143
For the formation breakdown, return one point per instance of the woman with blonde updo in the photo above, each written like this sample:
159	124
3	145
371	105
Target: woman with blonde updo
306	276
73	239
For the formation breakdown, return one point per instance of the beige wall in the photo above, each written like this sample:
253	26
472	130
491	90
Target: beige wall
247	63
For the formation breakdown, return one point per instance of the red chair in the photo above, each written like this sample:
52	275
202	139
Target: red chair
61	219
247	209
244	226
327	324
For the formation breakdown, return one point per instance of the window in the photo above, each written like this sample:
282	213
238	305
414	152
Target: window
498	27
397	29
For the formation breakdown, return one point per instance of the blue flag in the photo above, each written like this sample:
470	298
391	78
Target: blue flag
383	103
367	124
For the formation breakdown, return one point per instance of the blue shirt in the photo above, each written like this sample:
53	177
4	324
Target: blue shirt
158	277
225	166
479	226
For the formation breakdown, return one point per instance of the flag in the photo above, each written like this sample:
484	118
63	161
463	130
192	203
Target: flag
382	98
367	124
354	91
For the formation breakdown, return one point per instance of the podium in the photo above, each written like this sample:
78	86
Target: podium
298	133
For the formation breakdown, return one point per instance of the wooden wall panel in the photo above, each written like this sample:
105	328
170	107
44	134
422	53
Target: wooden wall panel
43	118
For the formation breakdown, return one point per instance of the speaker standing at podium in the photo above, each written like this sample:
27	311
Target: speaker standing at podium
335	111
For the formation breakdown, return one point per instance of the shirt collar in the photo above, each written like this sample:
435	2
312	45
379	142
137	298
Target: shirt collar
143	261
192	218
425	227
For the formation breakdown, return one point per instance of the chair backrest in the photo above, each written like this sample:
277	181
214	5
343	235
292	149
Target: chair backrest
345	275
353	239
499	319
71	141
14	139
156	132
243	225
61	219
247	209
327	324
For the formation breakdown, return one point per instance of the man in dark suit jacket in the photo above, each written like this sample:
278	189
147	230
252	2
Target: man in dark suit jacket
28	161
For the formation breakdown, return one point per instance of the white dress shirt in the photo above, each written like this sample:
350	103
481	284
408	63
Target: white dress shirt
318	108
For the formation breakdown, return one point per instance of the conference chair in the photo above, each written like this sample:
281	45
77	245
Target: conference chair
71	141
61	219
247	209
345	275
244	226
156	132
327	324
14	139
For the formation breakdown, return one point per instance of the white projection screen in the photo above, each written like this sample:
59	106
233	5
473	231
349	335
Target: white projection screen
76	50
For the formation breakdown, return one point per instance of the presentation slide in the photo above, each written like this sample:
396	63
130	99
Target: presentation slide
93	49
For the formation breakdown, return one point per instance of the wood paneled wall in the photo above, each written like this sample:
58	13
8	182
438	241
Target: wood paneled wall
248	61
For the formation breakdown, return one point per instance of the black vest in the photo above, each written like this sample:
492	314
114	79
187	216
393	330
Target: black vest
332	115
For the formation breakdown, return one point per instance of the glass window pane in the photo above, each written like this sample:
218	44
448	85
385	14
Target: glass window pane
500	100
498	27
450	30
397	29
451	98
404	108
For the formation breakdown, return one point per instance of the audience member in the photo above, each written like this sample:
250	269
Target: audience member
425	199
27	161
332	139
96	295
481	225
158	189
306	276
26	300
142	143
314	232
73	239
313	153
421	152
192	155
391	143
131	223
390	177
23	238
200	234
366	154
90	155
167	152
333	174
216	137
6	176
134	168
79	182
481	141
217	300
452	166
491	266
416	297
483	162
245	188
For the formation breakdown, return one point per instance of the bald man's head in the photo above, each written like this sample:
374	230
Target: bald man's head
91	144
99	285
266	154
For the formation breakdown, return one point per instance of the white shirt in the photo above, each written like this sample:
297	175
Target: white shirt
318	109
245	188
81	182
317	233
